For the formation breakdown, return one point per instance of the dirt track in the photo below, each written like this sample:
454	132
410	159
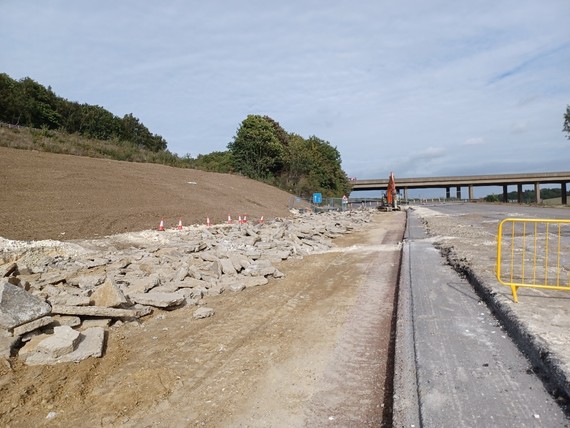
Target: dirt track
310	349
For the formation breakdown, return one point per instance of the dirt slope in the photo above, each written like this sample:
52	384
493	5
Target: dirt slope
53	196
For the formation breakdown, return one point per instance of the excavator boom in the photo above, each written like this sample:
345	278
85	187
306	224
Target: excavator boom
391	195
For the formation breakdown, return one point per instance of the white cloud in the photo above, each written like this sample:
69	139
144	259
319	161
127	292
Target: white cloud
378	80
475	141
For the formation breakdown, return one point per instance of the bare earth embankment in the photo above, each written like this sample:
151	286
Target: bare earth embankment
49	196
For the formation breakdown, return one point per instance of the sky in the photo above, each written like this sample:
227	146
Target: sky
420	88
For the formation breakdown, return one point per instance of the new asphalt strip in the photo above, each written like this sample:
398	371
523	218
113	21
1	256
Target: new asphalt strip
455	365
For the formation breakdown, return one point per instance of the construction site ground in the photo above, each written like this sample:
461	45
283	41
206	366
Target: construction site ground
311	348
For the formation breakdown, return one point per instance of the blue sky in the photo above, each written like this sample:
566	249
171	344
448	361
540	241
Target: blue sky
418	88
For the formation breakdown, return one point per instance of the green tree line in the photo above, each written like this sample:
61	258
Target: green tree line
27	103
261	148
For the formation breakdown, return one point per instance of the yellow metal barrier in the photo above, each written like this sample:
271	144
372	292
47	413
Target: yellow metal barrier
533	253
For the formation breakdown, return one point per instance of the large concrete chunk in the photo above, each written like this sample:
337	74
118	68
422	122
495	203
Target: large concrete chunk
32	325
90	344
69	300
227	267
203	313
96	311
144	284
17	306
254	281
63	341
158	300
192	283
108	294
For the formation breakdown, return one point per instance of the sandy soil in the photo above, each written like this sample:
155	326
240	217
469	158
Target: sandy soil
49	196
311	349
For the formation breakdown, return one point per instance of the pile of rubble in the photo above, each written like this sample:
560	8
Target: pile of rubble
57	298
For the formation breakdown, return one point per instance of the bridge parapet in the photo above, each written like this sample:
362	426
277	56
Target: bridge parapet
470	181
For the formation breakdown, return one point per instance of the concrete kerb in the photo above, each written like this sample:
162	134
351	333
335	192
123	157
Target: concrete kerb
406	412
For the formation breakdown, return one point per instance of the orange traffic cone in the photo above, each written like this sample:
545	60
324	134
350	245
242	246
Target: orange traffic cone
208	222
239	219
161	226
261	219
229	219
179	224
245	218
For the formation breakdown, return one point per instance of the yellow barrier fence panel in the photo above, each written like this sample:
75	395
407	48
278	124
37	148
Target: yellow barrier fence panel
539	245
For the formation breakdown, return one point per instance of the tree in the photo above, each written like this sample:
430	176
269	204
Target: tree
326	171
566	127
256	151
214	162
28	103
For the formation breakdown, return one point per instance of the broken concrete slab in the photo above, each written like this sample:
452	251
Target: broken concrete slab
108	294
227	267
278	274
72	321
158	300
181	273
203	313
96	311
254	281
236	286
32	325
63	341
17	306
69	300
215	290
142	285
87	281
52	278
208	256
193	283
90	344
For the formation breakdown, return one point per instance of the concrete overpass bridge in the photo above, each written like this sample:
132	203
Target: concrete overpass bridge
470	181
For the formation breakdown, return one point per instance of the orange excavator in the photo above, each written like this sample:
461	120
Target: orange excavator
390	200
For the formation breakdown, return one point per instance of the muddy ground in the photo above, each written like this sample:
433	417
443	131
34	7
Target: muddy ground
311	349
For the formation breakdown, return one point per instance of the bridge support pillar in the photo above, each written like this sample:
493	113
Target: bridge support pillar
447	193
563	195
471	196
406	194
505	193
458	192
537	192
519	193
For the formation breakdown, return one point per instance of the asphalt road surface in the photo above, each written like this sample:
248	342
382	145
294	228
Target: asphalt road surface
456	366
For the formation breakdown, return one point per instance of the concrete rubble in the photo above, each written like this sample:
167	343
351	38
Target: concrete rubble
57	298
